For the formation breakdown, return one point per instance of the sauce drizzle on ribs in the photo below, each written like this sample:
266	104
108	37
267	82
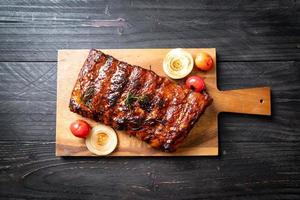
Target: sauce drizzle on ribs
126	97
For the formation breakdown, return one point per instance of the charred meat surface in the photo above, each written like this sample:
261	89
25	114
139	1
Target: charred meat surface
127	97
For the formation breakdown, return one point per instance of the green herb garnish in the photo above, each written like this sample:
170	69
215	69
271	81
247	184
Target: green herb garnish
131	98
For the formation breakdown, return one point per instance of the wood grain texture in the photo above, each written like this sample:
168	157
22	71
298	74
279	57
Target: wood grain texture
241	172
202	139
259	156
240	30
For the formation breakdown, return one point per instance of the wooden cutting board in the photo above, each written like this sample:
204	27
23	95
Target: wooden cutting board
203	138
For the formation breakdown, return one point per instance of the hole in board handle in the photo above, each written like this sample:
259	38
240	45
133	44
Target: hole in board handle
261	101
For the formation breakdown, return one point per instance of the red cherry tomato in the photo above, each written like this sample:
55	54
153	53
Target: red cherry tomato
195	83
80	128
204	61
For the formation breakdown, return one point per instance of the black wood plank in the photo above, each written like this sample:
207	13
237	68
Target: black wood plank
240	30
284	80
243	171
259	155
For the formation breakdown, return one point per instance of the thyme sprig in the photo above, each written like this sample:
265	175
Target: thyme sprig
131	98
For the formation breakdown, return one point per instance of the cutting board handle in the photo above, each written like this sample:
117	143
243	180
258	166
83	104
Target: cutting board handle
248	101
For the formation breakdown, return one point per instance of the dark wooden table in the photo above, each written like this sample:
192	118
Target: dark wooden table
258	44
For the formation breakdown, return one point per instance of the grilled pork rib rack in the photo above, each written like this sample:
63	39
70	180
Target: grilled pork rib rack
127	97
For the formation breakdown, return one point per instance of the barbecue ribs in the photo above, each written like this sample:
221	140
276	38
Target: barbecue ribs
127	97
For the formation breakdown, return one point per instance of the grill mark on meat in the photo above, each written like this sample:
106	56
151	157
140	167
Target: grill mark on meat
119	117
85	78
148	127
90	71
103	85
158	107
197	107
174	131
182	128
104	100
162	98
118	83
135	115
164	132
148	90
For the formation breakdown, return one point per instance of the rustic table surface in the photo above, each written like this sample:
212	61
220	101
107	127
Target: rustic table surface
258	44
